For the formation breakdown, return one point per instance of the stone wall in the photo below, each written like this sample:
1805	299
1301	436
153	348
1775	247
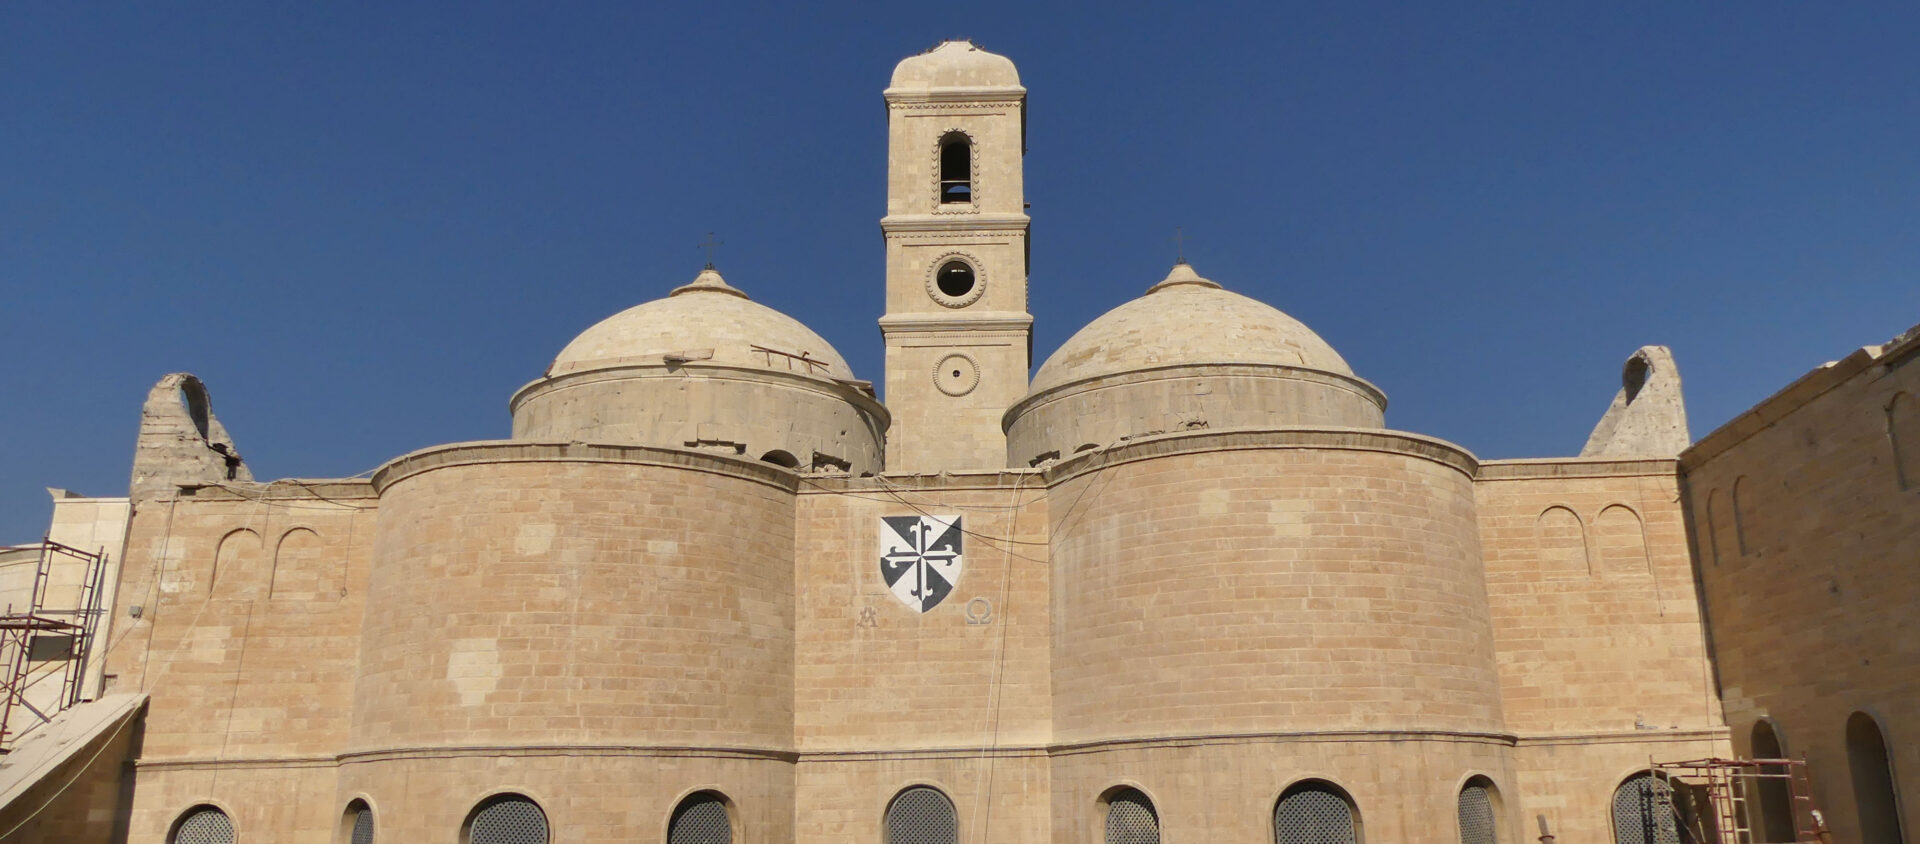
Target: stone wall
957	697
1603	666
1806	512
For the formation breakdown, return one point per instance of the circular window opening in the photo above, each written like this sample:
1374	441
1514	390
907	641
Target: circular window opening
955	279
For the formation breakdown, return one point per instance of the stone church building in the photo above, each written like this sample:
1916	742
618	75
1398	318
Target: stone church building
1182	584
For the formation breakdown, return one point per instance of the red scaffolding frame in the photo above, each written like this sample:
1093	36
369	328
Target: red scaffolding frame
1732	788
20	626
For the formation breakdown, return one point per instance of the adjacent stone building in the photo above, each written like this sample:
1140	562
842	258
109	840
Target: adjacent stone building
1183	585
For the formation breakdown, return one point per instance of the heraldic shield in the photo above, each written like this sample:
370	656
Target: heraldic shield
920	558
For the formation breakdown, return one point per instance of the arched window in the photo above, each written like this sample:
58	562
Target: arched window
357	824
1314	812
781	458
922	815
202	825
1873	793
1776	800
506	819
1477	817
1644	811
701	819
1131	819
956	168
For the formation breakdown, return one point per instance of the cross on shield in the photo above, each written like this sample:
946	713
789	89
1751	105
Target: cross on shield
920	558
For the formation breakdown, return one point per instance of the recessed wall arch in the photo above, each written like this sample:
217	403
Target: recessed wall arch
234	559
301	568
1561	537
1720	539
1903	436
1622	537
1742	504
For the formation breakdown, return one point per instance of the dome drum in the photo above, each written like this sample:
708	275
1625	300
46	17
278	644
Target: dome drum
1104	410
799	421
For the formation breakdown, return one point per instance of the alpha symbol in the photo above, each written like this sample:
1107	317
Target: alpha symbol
920	558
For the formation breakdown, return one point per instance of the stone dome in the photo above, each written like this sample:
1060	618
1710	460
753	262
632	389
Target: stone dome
707	320
1182	321
955	64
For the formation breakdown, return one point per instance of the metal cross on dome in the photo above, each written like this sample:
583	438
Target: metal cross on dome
710	245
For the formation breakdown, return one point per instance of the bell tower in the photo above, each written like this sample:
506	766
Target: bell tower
958	335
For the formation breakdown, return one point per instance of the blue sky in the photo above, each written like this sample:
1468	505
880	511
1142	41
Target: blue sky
366	225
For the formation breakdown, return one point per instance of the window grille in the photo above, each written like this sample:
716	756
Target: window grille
1131	819
922	815
362	825
701	819
204	825
511	820
1313	815
1643	812
1476	816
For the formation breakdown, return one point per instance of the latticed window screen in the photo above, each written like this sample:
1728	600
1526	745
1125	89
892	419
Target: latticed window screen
701	819
922	815
1643	812
1313	815
1131	819
362	825
1476	816
513	820
205	825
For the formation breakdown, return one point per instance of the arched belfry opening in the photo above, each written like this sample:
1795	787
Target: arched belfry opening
956	169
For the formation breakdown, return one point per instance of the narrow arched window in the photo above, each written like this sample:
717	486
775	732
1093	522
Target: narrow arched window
922	815
1873	793
1314	812
702	818
1131	818
1477	824
506	819
1644	811
956	168
1776	798
358	823
202	825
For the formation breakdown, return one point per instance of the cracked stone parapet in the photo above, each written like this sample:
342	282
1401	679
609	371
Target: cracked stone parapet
1648	417
181	442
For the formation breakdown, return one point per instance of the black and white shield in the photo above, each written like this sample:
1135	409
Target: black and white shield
920	558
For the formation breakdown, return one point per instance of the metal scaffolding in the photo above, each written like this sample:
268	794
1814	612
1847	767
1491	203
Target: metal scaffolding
1723	800
73	624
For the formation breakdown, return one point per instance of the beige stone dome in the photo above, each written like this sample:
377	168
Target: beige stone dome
1182	321
955	64
706	320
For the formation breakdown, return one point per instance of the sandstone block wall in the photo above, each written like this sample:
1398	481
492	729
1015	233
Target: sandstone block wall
1270	582
1806	516
530	595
